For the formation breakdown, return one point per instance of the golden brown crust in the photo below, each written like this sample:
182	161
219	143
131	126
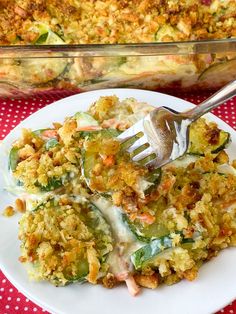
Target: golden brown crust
8	211
113	21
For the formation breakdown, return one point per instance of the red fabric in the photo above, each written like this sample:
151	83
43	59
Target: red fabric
15	110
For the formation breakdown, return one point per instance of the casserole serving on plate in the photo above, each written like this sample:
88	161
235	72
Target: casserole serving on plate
81	46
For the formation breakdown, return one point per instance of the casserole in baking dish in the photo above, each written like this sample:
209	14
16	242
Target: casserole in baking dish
84	45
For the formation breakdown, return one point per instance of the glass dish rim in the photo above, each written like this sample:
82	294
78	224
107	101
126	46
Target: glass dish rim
114	50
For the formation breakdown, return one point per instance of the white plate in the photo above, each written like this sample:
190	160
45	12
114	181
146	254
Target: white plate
214	288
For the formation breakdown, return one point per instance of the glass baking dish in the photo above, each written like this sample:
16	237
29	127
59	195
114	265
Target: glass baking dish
186	66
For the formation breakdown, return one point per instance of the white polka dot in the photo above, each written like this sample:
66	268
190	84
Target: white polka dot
231	311
7	306
4	280
2	289
27	300
9	298
16	307
26	308
18	299
0	297
35	309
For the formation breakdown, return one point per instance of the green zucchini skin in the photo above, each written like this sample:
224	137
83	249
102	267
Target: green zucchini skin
13	158
203	137
134	229
106	133
154	177
53	184
218	72
52	142
224	142
82	272
148	252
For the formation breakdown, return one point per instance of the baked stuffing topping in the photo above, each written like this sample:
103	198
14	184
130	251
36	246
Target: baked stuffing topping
117	21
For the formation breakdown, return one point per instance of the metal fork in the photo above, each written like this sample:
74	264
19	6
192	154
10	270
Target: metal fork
163	135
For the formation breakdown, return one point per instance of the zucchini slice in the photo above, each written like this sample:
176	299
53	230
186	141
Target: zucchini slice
13	158
50	65
205	137
88	158
13	155
74	226
219	73
82	270
84	119
52	142
145	233
106	133
42	70
165	30
147	253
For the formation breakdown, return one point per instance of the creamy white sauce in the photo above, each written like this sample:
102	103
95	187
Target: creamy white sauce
184	161
125	243
179	147
226	169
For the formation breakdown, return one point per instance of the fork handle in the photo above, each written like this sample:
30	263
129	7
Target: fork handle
212	102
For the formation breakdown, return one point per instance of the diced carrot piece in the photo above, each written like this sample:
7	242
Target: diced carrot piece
88	128
133	288
147	218
50	134
109	161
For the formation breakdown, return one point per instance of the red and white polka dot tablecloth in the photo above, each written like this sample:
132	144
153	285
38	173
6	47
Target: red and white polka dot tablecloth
12	111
